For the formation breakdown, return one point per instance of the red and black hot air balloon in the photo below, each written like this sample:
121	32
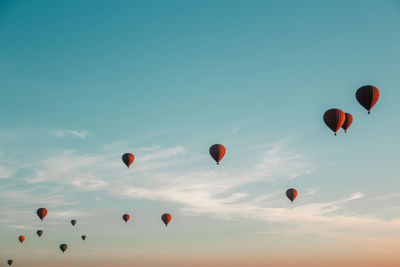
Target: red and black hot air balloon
21	239
73	222
63	247
166	218
334	119
347	122
217	152
367	96
126	217
42	212
39	232
291	194
10	262
128	158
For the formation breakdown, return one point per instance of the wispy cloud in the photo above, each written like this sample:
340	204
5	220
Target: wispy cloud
76	133
5	173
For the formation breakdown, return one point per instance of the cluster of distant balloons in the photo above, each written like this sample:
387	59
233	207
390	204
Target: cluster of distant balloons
335	119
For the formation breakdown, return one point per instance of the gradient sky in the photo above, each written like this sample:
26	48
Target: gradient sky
82	82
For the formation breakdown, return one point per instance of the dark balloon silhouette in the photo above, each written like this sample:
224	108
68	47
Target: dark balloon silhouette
334	119
166	218
217	152
42	212
84	237
39	232
73	222
21	239
128	158
126	217
347	122
291	194
10	262
367	96
63	247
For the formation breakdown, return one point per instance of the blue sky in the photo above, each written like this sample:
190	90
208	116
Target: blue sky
83	82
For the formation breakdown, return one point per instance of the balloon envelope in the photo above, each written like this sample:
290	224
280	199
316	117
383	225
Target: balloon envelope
217	152
39	232
347	122
63	247
334	119
166	218
291	194
128	158
84	237
21	239
367	96
73	222
42	212
126	217
10	262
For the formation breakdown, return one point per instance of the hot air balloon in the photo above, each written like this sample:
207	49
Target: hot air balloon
126	217
63	247
217	152
347	122
128	158
42	212
21	239
334	119
73	222
367	96
291	194
39	232
10	262
84	237
166	218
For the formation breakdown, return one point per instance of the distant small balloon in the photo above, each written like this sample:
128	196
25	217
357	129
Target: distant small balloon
63	247
347	122
126	217
166	218
291	194
367	96
39	232
217	152
128	159
10	262
42	212
21	239
73	222
84	237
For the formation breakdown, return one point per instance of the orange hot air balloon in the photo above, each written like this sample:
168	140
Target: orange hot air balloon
128	158
42	212
73	222
126	217
63	247
347	122
21	239
10	262
217	152
334	119
166	218
291	194
367	96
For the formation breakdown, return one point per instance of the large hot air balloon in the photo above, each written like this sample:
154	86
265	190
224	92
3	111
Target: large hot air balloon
10	262
166	218
347	122
334	119
128	158
367	96
84	237
21	239
42	212
217	152
291	194
126	217
39	232
63	247
73	222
